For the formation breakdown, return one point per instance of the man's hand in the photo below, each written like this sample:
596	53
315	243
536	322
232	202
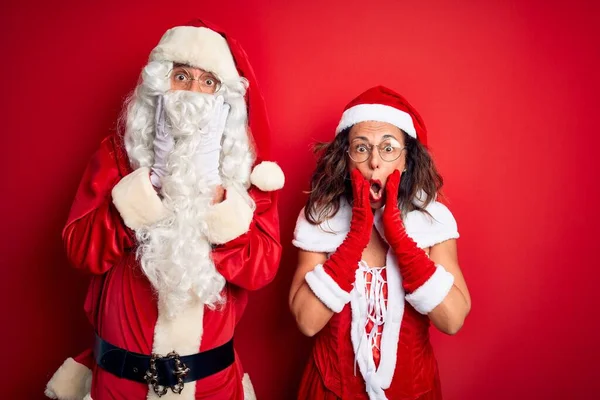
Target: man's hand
219	195
209	149
163	145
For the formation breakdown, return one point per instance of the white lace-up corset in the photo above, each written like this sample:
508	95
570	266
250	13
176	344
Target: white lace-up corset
376	302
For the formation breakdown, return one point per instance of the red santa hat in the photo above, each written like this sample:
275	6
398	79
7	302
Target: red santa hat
384	105
204	45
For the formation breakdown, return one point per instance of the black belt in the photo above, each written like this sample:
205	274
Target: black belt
162	372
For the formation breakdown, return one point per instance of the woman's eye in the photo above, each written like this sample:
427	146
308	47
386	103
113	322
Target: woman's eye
388	149
361	148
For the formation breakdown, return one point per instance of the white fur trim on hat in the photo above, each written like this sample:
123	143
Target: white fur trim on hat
72	381
267	176
198	47
248	388
377	112
430	294
326	289
137	201
229	219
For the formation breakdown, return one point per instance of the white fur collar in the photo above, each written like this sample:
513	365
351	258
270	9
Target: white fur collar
425	230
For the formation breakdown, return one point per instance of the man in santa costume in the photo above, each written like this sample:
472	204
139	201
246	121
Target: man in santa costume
176	219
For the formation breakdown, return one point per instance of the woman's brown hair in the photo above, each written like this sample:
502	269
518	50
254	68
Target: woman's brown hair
331	179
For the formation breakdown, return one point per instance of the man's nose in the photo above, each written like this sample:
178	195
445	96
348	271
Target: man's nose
196	87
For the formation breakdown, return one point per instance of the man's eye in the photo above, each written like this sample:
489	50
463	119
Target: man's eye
209	82
180	77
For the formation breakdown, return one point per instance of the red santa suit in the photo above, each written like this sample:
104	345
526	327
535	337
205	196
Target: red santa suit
121	304
376	346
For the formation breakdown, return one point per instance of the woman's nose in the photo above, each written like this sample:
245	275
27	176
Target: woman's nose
375	158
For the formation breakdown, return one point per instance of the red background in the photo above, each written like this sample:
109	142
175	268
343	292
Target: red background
508	89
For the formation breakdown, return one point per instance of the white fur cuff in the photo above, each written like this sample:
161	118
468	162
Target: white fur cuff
326	289
267	176
248	388
137	201
429	295
72	381
228	219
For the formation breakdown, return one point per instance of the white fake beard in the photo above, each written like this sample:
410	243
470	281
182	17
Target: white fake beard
175	254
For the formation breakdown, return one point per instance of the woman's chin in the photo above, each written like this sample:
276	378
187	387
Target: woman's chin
376	205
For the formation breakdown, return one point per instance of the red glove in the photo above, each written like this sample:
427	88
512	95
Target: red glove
415	266
342	265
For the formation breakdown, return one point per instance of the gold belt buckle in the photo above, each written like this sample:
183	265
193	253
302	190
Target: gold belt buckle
151	376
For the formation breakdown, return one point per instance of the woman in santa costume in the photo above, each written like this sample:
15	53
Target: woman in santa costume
377	259
176	219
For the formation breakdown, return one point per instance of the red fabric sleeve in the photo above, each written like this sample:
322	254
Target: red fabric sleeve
95	236
250	261
415	266
342	264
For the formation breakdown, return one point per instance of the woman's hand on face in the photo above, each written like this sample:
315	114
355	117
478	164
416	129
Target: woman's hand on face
392	217
360	189
362	215
391	192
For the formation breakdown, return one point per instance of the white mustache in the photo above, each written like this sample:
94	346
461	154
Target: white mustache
187	112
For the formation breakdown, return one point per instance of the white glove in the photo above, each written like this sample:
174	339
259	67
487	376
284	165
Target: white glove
163	145
208	153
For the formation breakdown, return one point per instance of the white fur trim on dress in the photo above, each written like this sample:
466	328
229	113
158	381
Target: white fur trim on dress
198	47
429	230
377	112
425	230
326	237
326	289
229	219
72	381
249	393
181	333
380	378
267	176
137	201
429	295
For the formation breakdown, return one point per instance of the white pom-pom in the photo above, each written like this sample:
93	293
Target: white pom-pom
267	176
